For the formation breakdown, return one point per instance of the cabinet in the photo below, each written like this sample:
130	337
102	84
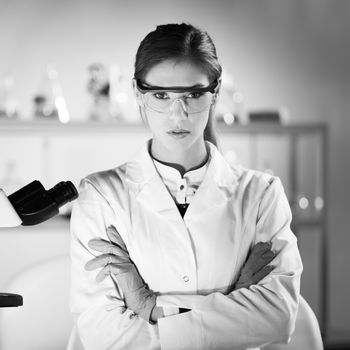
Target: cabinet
52	152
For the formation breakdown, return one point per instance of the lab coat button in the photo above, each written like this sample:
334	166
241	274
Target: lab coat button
132	315
186	278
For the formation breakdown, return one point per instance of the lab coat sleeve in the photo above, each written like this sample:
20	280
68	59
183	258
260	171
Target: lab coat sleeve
103	321
245	318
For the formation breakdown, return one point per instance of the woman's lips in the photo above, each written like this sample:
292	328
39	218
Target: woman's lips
178	133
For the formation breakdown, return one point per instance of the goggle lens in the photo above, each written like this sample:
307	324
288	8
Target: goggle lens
194	102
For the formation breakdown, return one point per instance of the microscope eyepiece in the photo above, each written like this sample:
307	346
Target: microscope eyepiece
63	192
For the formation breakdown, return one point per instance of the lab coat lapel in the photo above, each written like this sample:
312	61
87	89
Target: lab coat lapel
148	187
218	186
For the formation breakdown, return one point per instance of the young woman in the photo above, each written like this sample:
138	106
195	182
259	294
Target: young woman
185	238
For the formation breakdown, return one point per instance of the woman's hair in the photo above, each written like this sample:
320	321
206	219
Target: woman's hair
180	42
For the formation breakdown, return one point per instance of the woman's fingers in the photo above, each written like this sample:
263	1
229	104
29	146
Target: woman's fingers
105	259
261	274
268	256
115	269
246	281
102	274
260	255
106	247
260	248
115	258
115	237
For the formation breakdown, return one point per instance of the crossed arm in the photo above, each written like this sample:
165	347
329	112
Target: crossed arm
115	260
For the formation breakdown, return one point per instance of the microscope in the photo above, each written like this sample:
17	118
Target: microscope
32	205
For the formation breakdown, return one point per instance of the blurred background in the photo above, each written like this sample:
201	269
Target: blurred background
67	109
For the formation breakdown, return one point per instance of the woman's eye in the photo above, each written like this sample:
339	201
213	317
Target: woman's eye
194	95
161	95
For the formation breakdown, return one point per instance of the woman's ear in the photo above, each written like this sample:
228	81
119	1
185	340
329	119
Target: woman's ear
216	93
217	89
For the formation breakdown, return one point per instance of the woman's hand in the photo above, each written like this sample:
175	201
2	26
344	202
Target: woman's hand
256	267
115	260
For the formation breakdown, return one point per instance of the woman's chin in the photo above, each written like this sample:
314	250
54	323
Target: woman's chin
177	144
180	142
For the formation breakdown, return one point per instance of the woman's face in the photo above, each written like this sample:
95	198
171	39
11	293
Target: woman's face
175	130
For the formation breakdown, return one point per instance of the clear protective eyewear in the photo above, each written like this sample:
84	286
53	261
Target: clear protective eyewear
193	99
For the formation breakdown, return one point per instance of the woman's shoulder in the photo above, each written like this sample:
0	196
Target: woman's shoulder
255	180
106	177
237	173
116	182
109	183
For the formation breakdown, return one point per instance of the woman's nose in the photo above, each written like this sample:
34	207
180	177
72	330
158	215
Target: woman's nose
178	110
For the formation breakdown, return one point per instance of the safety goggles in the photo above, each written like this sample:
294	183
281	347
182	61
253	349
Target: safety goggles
192	99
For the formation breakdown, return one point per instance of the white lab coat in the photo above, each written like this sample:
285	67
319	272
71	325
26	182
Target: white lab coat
189	262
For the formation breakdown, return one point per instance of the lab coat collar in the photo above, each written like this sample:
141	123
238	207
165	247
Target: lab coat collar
146	184
219	171
140	169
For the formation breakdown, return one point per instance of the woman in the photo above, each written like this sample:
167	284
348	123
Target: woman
176	224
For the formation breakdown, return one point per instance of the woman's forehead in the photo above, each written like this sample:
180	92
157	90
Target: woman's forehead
176	73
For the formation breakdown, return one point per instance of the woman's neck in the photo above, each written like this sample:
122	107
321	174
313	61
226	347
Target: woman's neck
182	160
